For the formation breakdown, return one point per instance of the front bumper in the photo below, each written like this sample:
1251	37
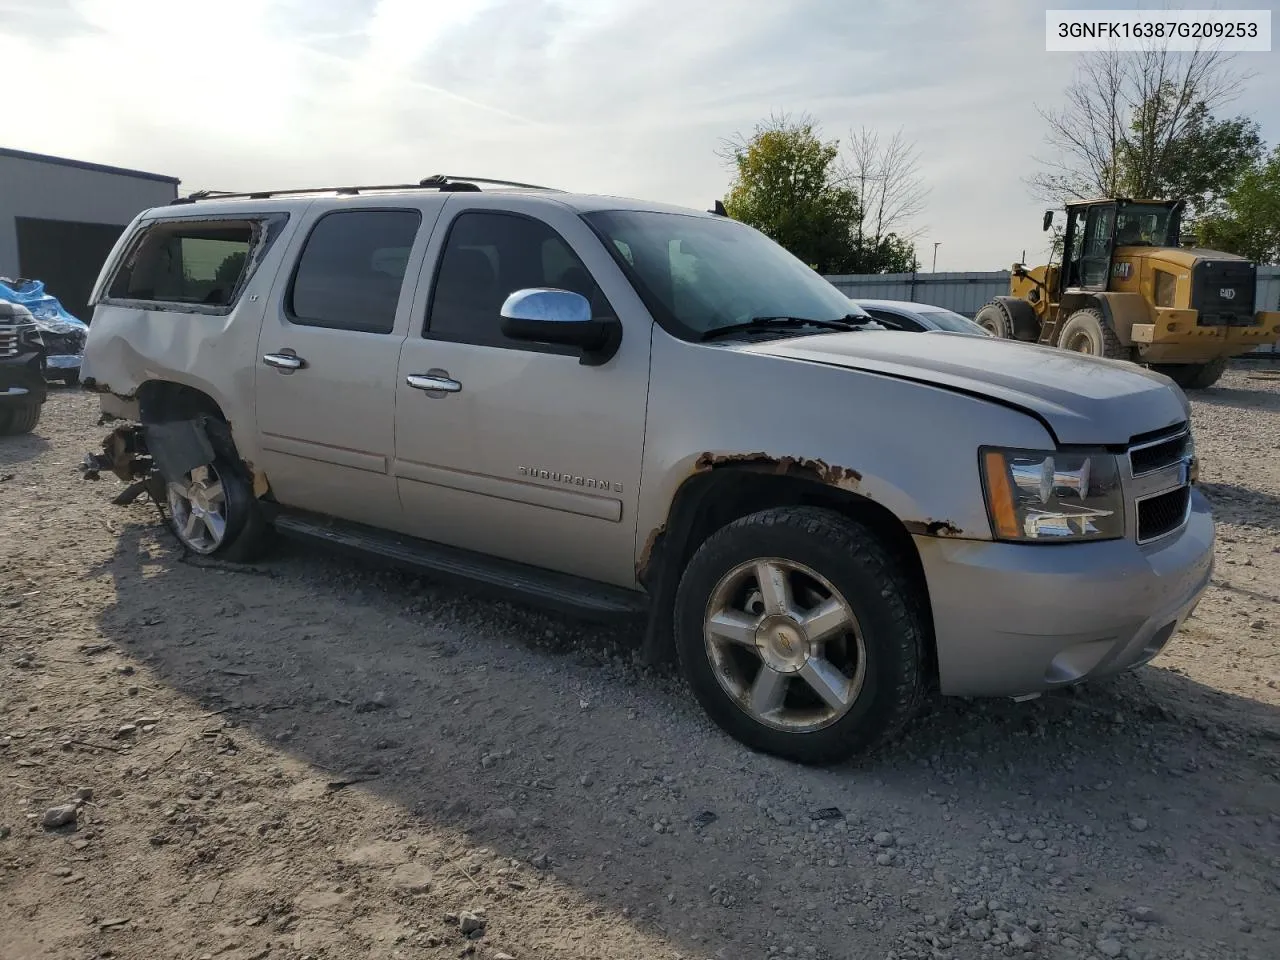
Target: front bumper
1014	619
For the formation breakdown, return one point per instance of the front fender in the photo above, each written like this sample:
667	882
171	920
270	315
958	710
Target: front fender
911	448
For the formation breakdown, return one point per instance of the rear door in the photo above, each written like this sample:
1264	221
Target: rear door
524	453
330	342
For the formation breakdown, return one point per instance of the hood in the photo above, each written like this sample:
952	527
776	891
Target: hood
1081	399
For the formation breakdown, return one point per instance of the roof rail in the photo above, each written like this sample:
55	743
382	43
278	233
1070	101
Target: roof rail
439	181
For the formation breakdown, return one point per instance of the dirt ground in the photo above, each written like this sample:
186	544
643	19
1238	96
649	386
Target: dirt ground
315	758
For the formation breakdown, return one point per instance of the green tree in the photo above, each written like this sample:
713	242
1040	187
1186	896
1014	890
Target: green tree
1247	221
786	185
1142	124
1205	162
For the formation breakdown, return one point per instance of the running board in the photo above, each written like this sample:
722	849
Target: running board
547	588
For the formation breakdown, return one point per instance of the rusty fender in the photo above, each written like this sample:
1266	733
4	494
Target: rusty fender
818	470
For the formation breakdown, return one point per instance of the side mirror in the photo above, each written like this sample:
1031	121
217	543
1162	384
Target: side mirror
545	315
1048	220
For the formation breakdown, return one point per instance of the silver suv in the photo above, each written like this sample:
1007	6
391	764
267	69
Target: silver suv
614	406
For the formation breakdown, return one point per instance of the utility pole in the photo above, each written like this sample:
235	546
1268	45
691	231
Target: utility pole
936	244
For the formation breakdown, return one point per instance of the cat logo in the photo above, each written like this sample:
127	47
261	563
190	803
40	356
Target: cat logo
1122	270
1227	293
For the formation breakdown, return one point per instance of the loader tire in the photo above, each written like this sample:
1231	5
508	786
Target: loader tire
1194	376
1010	319
1086	331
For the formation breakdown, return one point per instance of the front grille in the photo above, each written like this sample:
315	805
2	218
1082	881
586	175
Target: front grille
1162	514
1223	292
9	345
1151	456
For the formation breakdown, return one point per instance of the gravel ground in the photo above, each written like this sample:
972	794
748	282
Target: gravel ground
314	758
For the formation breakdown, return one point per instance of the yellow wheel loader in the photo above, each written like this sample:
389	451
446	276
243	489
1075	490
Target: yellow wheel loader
1125	289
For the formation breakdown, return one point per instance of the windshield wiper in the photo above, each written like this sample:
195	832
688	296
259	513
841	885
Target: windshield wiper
850	322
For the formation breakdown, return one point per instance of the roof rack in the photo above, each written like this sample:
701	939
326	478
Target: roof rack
438	181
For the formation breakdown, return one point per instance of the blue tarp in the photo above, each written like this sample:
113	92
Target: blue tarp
49	313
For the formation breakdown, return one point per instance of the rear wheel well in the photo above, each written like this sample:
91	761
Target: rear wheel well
162	401
710	501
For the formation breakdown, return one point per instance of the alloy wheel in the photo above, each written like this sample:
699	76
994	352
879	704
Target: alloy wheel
198	506
785	645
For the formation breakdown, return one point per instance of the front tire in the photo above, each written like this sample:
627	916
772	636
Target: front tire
213	512
800	636
1086	331
19	418
1195	376
1010	319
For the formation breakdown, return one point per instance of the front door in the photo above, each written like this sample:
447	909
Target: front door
516	449
326	376
1099	230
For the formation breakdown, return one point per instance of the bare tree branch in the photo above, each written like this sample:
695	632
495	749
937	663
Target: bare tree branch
1123	114
889	185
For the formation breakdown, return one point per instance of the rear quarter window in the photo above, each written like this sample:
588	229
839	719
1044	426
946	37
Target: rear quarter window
193	264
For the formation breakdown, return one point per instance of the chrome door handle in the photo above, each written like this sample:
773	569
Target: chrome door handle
434	381
284	361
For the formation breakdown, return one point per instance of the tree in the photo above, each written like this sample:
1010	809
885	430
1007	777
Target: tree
839	216
1209	159
1248	220
891	195
787	186
1141	124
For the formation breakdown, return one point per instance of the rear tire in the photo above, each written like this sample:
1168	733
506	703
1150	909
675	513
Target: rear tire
214	513
20	418
1086	331
1194	376
800	636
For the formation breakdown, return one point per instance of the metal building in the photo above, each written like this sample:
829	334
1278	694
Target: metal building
59	219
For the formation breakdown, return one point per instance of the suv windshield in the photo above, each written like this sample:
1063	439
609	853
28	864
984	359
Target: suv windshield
698	274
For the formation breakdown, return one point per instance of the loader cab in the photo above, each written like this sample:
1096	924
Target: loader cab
1096	227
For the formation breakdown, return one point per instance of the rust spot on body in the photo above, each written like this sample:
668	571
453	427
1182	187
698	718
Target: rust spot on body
818	470
932	528
646	552
92	385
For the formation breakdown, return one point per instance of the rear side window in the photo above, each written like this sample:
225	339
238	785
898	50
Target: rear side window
489	256
200	263
351	270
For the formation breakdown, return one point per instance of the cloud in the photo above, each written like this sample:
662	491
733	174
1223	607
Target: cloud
627	97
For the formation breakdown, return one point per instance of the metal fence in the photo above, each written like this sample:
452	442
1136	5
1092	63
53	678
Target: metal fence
966	292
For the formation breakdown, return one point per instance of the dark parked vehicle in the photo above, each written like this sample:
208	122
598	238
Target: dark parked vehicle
22	367
64	336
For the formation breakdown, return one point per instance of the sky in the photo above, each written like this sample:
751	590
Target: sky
621	97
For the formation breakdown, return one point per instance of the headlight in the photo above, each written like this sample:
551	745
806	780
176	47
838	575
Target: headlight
1052	497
